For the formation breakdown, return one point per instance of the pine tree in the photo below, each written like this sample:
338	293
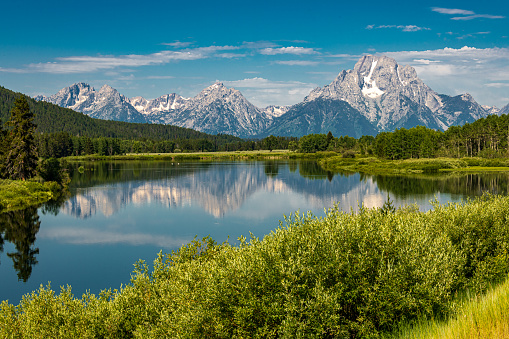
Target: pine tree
4	147
21	159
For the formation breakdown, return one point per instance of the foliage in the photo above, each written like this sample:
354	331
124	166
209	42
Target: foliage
344	275
348	154
21	159
313	143
15	194
54	170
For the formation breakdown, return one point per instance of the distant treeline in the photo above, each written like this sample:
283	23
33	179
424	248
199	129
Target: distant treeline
63	144
487	138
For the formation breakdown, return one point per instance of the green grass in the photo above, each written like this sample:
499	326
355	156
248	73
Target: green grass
346	275
478	316
237	155
373	165
15	194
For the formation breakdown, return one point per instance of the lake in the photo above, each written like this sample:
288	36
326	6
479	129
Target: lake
120	212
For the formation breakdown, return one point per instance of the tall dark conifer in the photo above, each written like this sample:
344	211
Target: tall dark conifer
21	158
5	144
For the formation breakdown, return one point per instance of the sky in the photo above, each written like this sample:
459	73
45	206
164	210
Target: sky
274	52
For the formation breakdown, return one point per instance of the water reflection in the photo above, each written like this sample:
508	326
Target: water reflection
467	185
20	228
220	188
119	212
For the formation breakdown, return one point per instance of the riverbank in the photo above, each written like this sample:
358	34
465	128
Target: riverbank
344	275
17	194
372	165
238	155
330	161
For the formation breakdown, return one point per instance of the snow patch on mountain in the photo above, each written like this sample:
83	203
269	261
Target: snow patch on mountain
370	89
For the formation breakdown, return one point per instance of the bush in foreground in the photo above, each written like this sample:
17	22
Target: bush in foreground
344	275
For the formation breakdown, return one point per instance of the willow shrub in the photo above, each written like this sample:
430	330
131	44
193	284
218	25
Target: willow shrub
344	275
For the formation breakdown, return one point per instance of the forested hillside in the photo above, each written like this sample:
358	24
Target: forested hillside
50	118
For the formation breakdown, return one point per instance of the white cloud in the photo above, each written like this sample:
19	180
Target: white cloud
262	92
498	84
288	50
471	17
466	14
87	64
404	28
258	44
452	11
425	61
178	44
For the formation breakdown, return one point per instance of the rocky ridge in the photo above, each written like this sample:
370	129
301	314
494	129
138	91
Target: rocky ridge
376	95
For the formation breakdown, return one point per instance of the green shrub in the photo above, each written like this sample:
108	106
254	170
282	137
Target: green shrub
349	154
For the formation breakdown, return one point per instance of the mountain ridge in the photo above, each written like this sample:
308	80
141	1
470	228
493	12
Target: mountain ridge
377	91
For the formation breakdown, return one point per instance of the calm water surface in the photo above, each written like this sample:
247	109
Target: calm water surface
119	212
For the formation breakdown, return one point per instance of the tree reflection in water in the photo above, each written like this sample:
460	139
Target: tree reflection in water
469	185
20	228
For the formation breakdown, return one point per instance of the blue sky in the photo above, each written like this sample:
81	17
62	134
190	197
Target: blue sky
274	52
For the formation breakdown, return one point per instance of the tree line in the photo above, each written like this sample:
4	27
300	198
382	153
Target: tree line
487	138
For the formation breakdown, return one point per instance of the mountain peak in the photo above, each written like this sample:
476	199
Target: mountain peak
376	95
107	88
467	97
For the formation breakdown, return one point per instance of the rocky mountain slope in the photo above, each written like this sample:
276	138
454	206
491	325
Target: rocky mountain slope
106	104
504	110
376	95
391	96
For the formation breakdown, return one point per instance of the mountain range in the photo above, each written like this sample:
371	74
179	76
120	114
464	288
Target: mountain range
377	95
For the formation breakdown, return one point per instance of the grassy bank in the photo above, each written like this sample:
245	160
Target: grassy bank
16	194
238	155
484	316
374	165
241	155
344	275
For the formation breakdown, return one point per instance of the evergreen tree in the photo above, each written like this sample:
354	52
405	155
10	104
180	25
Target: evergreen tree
4	147
21	160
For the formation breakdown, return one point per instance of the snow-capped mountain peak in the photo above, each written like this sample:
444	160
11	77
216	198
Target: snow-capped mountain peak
165	103
376	95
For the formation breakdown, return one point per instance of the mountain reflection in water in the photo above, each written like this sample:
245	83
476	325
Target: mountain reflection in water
220	188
